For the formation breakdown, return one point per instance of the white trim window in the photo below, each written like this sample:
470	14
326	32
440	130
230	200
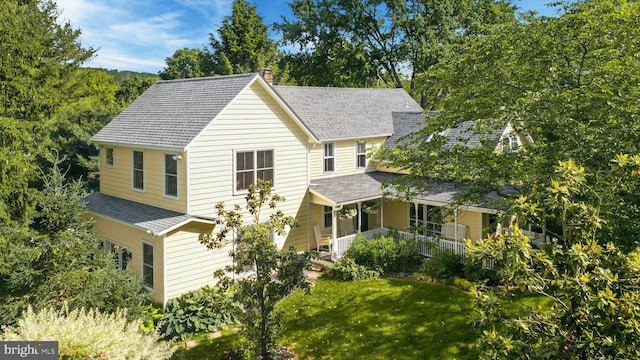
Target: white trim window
361	154
328	157
108	156
327	216
171	175
512	143
251	165
148	264
138	170
120	253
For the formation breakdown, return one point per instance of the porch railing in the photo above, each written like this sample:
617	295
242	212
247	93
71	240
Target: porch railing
426	244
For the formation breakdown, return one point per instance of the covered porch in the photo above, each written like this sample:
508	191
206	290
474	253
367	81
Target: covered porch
343	207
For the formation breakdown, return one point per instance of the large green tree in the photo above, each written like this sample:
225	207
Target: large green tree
187	63
242	43
568	85
39	61
368	42
587	290
59	262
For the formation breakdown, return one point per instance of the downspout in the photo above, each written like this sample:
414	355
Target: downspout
308	197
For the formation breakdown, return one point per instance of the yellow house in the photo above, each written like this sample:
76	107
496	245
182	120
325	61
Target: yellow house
185	145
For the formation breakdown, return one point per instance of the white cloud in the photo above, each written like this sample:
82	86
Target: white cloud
139	34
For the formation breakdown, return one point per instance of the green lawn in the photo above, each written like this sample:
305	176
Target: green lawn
372	319
379	319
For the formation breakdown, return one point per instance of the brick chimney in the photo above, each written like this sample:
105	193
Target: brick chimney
266	73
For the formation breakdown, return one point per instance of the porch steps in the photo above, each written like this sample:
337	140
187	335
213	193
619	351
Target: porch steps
319	264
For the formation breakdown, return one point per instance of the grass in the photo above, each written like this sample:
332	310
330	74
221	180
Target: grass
371	319
379	319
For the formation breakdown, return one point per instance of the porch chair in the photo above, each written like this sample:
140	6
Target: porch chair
323	241
449	231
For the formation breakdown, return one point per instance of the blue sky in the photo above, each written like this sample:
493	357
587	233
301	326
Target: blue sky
138	35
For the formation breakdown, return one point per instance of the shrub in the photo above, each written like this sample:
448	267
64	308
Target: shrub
443	265
83	334
475	272
385	254
346	269
205	309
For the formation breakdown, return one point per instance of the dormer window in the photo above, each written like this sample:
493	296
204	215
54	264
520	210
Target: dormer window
513	143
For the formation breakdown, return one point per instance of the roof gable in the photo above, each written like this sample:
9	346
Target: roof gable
172	113
347	113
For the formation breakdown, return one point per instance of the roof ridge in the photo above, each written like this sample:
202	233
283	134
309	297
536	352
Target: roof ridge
334	87
207	78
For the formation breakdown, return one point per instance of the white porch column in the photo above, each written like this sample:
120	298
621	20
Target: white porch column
359	217
381	214
455	222
334	224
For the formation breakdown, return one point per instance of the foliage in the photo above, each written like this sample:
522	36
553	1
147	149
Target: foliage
444	265
568	85
385	255
131	88
242	44
368	42
206	309
151	316
187	63
61	263
274	274
89	334
346	269
591	285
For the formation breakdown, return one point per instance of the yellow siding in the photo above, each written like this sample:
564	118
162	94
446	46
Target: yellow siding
211	163
473	220
117	180
132	238
396	215
345	158
189	264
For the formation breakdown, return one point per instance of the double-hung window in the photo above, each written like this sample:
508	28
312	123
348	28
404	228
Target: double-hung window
171	175
138	170
253	165
361	155
108	153
147	265
328	158
120	253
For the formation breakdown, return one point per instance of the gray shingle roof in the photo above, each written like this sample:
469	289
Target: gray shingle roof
347	113
464	135
405	123
143	216
172	113
349	189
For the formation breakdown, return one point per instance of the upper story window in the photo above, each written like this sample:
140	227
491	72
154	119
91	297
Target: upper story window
171	175
108	154
361	155
147	265
328	158
253	165
138	170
